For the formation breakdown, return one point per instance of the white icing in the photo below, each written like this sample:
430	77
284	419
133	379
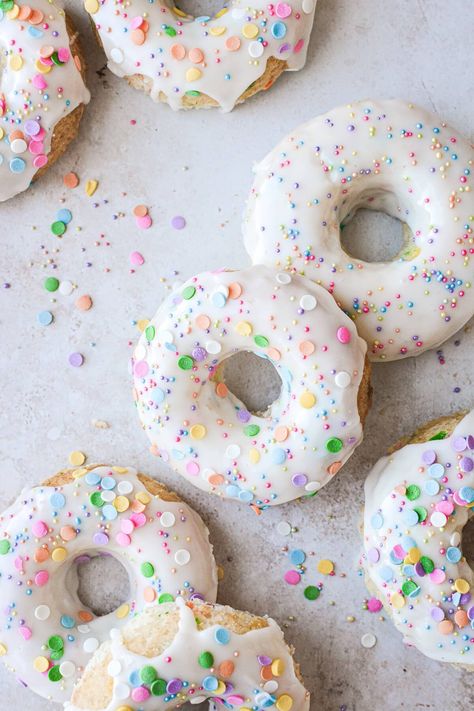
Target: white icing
381	155
196	58
159	532
33	97
389	521
244	688
204	432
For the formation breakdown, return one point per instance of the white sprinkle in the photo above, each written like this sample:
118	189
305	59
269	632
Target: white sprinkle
284	528
67	669
90	645
283	278
182	557
368	640
308	302
167	519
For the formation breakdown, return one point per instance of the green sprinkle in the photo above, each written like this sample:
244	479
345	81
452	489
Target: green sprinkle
421	511
56	643
312	592
96	499
150	333
56	60
439	435
413	492
170	31
51	284
54	674
427	563
206	660
148	675
188	292
193	92
158	688
165	597
4	547
185	362
56	655
261	341
251	430
58	228
147	570
409	587
334	445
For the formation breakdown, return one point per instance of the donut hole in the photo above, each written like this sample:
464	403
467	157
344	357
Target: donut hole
252	380
468	540
200	8
374	236
103	583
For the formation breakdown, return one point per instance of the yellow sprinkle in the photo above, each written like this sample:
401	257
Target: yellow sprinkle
13	13
124	708
41	664
91	187
244	328
414	555
193	74
218	31
92	6
220	689
59	554
77	458
325	566
142	324
277	667
143	497
122	611
307	400
120	470
179	12
397	600
221	13
2	133
3	649
198	431
42	68
16	62
284	703
249	30
254	455
121	503
78	473
462	586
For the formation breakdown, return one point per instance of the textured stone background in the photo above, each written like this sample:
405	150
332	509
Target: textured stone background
198	165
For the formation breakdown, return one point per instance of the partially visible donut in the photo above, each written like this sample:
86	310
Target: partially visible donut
198	62
48	635
197	425
418	500
175	653
42	90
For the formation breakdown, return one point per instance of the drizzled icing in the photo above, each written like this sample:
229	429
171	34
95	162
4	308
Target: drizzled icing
47	635
204	432
253	670
220	56
40	83
382	155
417	502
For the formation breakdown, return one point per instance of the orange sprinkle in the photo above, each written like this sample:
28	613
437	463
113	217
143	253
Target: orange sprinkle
138	37
281	433
445	627
221	390
36	17
71	180
196	55
140	211
216	479
203	321
232	43
85	616
461	618
235	290
84	303
149	595
226	668
306	348
178	52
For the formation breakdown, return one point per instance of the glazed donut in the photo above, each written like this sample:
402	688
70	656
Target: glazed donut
47	635
204	432
382	155
417	502
42	91
180	652
204	61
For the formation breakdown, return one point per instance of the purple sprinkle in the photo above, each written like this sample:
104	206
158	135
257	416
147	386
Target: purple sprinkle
178	222
100	539
429	457
263	660
174	686
76	360
299	479
437	614
199	353
466	464
459	444
243	415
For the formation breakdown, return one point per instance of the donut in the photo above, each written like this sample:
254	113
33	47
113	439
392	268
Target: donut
204	432
199	62
47	635
42	90
388	156
418	500
178	652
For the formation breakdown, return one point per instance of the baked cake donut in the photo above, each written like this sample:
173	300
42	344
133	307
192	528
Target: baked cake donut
418	500
198	62
47	635
42	91
383	155
204	432
180	652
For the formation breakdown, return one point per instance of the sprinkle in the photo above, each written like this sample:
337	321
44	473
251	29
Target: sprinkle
77	458
368	640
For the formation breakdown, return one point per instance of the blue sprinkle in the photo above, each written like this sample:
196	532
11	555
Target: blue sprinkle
219	299
157	395
278	455
245	496
108	482
222	636
453	554
92	479
386	573
431	487
278	30
45	318
68	622
436	470
109	512
210	683
17	165
410	517
467	494
57	500
377	520
297	556
64	216
232	490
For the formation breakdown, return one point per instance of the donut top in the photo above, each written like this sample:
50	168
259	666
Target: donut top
418	501
254	670
46	633
218	56
383	155
197	425
40	83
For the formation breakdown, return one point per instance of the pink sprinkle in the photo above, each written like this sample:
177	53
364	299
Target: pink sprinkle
144	223
36	147
292	577
298	46
123	540
25	632
283	10
235	700
64	54
140	368
446	507
438	576
127	526
141	693
374	605
18	564
139	519
136	259
193	468
343	335
40	161
39	82
136	22
41	578
39	529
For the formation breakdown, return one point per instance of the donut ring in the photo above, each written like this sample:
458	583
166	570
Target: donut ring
418	500
201	62
204	432
42	91
382	155
49	636
175	653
